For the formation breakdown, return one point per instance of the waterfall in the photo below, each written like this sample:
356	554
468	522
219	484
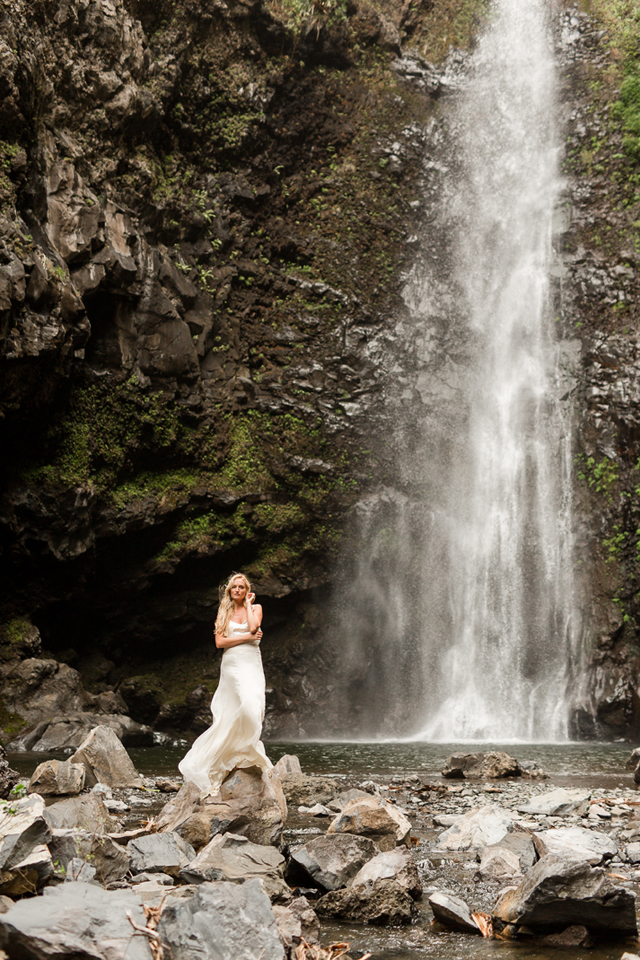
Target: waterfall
460	611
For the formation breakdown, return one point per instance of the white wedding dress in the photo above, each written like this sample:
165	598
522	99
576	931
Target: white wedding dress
233	739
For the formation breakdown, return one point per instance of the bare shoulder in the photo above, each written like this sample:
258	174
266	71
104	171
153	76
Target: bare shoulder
257	608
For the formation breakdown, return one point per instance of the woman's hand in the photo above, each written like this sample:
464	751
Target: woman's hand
249	599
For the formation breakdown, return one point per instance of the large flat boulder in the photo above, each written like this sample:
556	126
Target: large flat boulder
329	862
25	861
222	921
57	778
558	803
105	760
478	828
234	858
578	843
481	766
380	901
398	865
250	802
559	892
160	853
375	818
75	920
85	813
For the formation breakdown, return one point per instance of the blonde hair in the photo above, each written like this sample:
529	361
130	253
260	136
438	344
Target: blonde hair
225	610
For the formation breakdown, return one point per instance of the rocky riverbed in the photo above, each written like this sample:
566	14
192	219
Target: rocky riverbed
288	864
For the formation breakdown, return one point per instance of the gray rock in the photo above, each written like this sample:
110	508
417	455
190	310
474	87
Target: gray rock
481	766
499	863
160	853
105	760
452	912
110	859
296	921
301	790
633	759
251	802
79	870
75	920
158	878
57	778
633	852
25	861
222	921
317	810
396	865
329	862
234	858
86	813
578	843
480	827
558	803
375	818
557	893
522	845
378	902
287	765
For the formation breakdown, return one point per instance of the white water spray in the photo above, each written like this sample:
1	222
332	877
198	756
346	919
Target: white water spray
461	610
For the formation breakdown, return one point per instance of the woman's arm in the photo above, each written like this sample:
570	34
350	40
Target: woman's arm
237	639
254	614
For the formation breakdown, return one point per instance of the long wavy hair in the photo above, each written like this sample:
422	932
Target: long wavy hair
225	610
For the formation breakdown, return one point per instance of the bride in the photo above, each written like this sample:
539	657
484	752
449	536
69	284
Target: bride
233	739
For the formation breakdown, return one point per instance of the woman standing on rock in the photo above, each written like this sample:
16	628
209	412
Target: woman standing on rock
233	740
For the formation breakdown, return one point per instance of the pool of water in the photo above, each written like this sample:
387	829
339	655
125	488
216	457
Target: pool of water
601	764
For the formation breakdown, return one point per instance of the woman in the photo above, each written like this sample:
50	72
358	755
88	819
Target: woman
233	740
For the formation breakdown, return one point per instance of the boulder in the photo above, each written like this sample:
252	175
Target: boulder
105	760
558	892
452	912
287	765
25	861
110	859
377	901
573	937
76	920
632	852
578	843
398	865
160	853
250	803
222	921
296	921
57	778
68	731
499	863
480	827
234	858
558	803
329	862
376	818
633	759
481	766
303	791
85	813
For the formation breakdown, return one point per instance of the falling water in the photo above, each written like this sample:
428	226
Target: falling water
460	609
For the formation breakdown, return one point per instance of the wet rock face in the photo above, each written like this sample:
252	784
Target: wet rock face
197	249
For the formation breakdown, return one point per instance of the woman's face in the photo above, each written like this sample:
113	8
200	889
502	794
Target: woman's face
238	589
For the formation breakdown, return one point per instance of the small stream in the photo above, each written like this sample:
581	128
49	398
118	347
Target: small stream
592	765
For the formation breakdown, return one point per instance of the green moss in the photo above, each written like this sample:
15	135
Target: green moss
600	477
10	724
